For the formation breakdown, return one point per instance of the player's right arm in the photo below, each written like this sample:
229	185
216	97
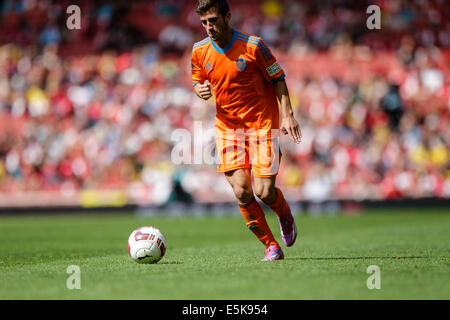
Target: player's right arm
202	87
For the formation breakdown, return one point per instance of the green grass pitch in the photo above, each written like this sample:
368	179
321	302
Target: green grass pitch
218	258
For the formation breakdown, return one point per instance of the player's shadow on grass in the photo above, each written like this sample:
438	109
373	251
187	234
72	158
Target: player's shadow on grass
355	258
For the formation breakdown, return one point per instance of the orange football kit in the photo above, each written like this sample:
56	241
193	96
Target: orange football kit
247	119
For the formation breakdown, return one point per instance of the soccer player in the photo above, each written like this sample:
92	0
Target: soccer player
248	84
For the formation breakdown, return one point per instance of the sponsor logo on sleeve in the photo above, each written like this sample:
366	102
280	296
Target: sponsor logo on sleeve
273	69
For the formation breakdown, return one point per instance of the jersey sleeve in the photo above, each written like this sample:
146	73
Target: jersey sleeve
267	63
198	74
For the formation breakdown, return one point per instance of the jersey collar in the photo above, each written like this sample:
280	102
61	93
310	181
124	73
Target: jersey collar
220	50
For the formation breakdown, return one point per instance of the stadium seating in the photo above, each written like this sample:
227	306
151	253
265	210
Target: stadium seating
93	110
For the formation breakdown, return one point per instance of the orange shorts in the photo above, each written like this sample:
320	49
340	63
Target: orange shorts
261	154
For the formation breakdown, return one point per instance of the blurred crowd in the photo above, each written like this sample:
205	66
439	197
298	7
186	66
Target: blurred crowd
95	108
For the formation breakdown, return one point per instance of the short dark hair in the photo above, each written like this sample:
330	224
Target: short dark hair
205	5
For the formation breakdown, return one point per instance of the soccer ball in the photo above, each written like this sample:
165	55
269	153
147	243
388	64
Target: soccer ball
146	245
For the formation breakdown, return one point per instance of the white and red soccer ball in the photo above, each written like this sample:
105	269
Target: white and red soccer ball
146	245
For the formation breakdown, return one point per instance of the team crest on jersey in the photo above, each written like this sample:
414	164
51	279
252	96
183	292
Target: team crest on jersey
240	64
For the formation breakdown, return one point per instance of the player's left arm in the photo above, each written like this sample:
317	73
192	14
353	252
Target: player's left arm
288	123
274	74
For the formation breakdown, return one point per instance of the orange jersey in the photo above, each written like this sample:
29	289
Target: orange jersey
242	75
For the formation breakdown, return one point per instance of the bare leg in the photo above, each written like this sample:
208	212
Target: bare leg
240	181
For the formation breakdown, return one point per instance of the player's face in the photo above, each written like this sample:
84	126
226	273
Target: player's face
215	24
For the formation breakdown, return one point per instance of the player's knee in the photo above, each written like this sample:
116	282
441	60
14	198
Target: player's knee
243	193
266	194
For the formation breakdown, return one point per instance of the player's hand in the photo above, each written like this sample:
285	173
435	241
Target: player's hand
290	126
204	90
